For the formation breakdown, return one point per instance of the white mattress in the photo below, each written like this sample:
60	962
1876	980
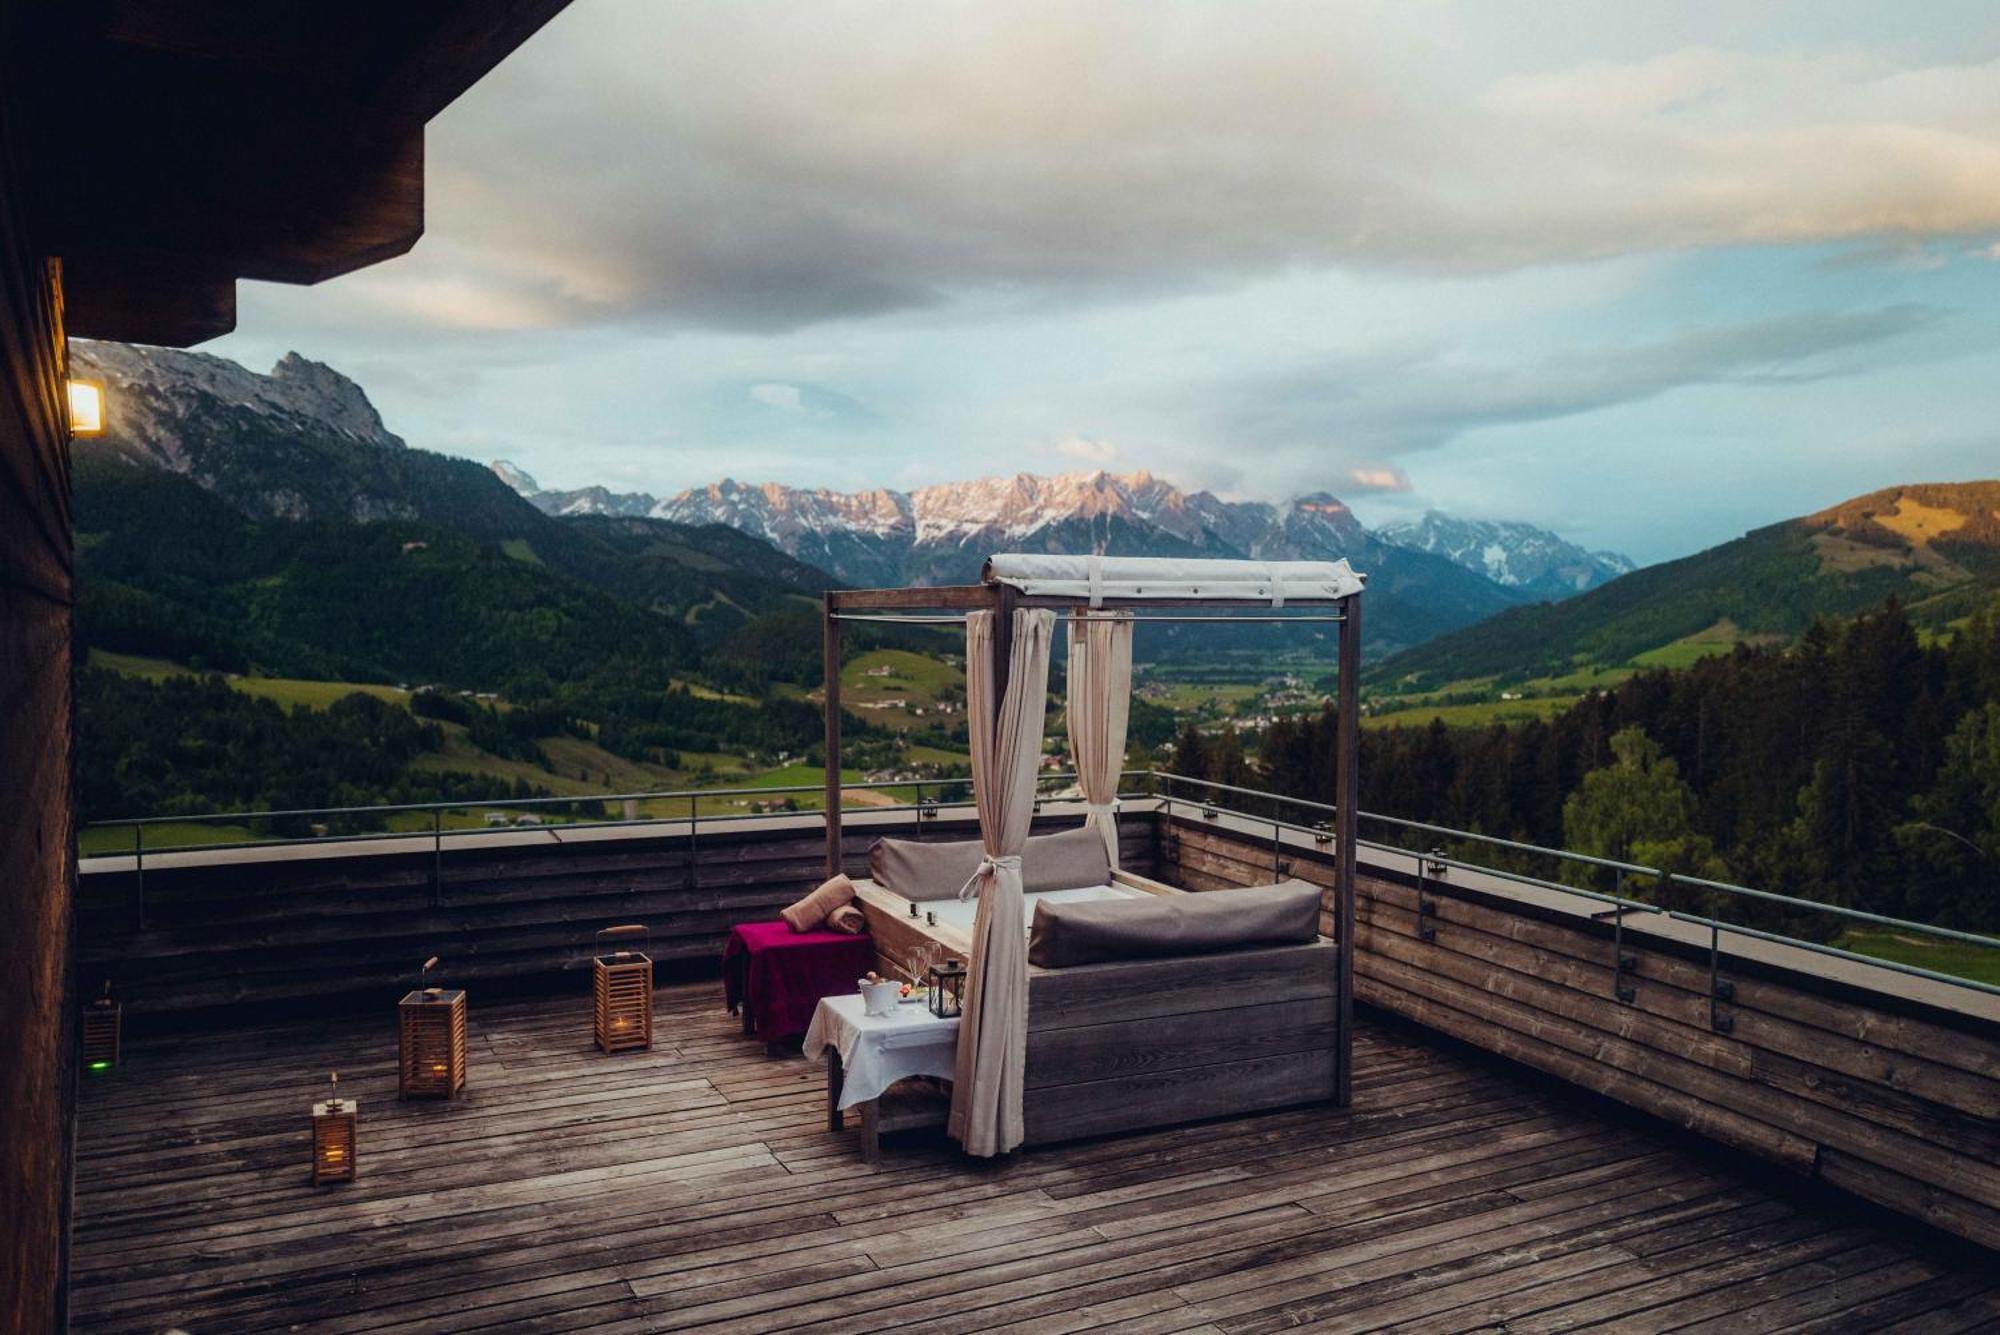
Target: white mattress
958	913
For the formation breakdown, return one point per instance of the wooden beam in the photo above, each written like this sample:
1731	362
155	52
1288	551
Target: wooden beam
461	47
962	597
253	182
413	57
146	297
1063	602
1003	651
949	597
830	671
1347	784
275	142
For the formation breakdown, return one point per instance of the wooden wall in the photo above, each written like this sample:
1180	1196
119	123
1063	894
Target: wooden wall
1873	1089
350	923
1133	1044
37	865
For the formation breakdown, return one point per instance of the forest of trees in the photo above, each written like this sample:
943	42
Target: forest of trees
191	745
1859	766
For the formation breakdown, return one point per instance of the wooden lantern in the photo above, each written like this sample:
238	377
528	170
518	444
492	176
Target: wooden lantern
622	984
334	1124
947	981
103	1027
431	1029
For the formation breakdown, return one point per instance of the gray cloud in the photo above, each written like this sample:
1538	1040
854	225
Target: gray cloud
1399	402
760	167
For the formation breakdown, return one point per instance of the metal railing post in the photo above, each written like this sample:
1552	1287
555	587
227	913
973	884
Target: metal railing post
694	835
1620	964
1720	989
139	868
437	857
1426	906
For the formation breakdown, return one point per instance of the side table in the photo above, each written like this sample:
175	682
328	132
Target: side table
866	1057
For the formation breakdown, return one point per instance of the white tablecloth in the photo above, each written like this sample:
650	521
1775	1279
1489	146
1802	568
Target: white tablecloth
877	1052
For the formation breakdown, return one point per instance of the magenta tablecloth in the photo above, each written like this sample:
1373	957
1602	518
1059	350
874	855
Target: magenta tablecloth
779	975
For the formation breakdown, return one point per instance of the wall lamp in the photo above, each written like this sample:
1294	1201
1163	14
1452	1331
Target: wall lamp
86	408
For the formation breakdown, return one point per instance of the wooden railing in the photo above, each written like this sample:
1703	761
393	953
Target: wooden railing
334	921
1879	1083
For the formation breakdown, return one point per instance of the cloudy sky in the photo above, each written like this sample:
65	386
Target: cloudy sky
1649	274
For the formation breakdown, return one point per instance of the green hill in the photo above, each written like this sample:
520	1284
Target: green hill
1935	547
170	569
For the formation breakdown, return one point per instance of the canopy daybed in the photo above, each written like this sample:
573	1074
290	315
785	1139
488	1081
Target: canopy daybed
1098	1000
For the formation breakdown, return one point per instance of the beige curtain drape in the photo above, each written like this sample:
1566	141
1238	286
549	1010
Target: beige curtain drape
1006	752
1100	705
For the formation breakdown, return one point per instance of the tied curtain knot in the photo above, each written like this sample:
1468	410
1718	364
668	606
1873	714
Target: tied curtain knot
990	866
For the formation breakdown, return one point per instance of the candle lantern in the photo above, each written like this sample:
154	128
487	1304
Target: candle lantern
431	1031
333	1125
622	984
103	1025
947	982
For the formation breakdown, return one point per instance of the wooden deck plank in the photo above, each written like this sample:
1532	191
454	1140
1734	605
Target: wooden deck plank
695	1186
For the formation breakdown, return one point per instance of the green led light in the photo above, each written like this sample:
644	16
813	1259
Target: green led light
100	1066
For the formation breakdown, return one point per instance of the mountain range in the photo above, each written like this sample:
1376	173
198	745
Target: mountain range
272	519
1935	547
1541	565
1432	576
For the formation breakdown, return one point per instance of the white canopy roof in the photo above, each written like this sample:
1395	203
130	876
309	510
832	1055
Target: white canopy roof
1097	578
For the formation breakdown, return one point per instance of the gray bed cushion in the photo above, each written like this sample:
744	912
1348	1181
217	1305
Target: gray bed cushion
916	870
1162	925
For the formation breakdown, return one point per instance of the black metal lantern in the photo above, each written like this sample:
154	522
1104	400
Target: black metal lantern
947	980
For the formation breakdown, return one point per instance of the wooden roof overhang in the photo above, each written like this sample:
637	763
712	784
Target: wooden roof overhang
167	148
1002	598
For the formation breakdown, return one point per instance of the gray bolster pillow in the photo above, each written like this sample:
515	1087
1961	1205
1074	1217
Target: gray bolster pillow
1165	925
916	870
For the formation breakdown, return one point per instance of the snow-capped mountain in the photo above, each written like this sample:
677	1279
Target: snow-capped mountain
940	534
1520	556
515	477
582	501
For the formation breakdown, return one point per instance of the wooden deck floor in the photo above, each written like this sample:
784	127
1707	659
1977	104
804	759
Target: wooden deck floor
695	1186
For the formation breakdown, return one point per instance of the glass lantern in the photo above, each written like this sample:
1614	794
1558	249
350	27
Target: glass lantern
947	984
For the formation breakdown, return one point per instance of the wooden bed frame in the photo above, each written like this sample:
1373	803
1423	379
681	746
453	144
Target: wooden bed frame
1132	1044
1138	1043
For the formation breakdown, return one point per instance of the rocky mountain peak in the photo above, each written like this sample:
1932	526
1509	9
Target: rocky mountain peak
316	390
515	476
163	403
1511	554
